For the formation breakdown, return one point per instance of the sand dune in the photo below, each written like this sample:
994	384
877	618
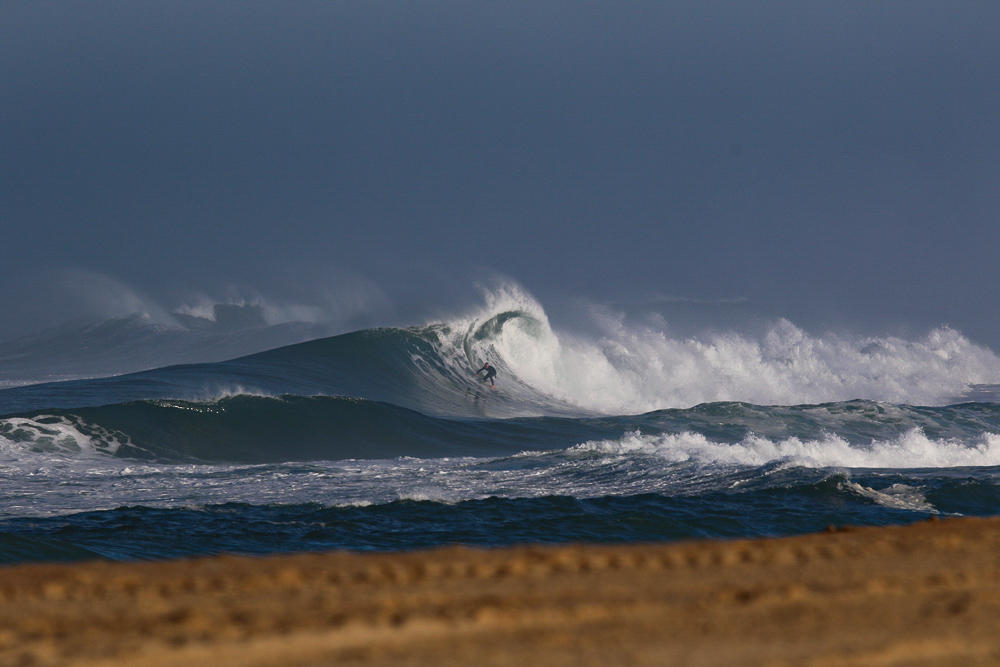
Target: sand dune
927	594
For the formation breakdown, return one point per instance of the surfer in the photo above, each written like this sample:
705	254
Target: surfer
490	373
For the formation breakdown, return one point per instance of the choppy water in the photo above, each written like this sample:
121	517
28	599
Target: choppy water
381	439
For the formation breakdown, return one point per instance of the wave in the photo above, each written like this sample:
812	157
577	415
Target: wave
252	429
264	429
626	489
912	449
625	370
669	465
635	369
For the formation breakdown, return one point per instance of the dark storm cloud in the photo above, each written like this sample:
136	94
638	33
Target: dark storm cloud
833	160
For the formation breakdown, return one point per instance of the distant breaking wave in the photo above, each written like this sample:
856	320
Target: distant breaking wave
86	348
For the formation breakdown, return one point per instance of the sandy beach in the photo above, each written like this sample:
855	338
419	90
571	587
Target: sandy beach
928	593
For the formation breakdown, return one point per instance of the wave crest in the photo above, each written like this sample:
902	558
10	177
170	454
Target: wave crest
912	449
635	370
544	372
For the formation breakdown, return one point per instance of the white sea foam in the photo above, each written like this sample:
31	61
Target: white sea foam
47	483
912	449
60	436
897	496
633	370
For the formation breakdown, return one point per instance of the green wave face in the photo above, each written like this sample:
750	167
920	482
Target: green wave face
250	429
429	369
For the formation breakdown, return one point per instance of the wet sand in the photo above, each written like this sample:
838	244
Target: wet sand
926	594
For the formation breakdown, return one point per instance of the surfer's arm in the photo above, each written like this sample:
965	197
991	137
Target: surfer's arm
481	370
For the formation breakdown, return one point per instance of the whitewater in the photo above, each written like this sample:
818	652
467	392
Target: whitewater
382	439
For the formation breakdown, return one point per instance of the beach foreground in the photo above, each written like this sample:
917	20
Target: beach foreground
928	593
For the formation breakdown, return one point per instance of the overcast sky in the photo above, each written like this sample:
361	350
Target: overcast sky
834	162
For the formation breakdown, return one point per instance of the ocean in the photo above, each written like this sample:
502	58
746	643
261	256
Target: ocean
381	439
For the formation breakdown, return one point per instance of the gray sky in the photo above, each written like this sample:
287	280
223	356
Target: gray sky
834	162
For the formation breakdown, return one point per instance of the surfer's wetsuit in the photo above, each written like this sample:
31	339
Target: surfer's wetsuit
490	373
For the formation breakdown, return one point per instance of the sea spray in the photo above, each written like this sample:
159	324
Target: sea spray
624	370
631	369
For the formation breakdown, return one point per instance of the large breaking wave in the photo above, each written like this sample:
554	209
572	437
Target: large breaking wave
387	392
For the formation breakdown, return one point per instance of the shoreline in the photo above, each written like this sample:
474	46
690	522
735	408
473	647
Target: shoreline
926	593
